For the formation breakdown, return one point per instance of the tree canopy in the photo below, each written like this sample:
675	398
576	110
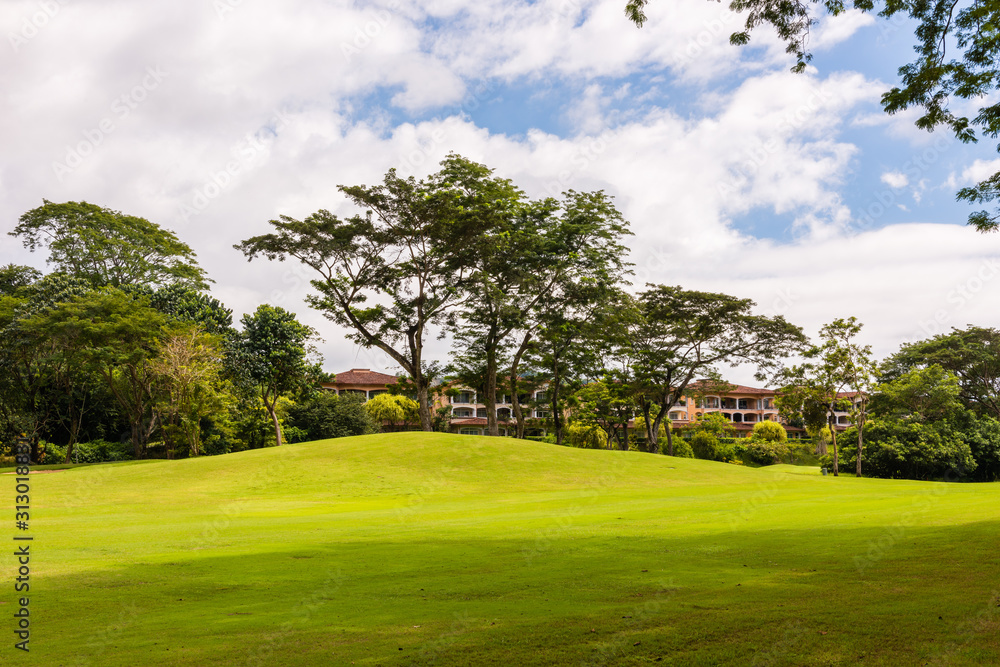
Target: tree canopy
108	248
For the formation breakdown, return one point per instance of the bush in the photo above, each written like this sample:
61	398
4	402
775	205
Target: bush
764	452
769	431
584	436
706	446
97	451
682	448
899	449
327	415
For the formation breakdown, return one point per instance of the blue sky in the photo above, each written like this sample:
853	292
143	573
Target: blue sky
210	118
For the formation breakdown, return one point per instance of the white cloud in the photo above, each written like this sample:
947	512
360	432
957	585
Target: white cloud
895	179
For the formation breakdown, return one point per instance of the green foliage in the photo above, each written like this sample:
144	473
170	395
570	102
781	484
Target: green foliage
922	394
764	451
94	451
769	431
682	448
585	436
392	412
913	450
972	355
714	423
108	248
270	354
706	445
327	415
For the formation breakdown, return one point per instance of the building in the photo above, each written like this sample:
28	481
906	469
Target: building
362	381
742	405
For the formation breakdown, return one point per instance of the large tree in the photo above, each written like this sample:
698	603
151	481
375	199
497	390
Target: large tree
271	353
958	56
108	248
530	264
391	273
679	335
972	354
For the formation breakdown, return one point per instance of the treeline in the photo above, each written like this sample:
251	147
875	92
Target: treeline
121	353
122	338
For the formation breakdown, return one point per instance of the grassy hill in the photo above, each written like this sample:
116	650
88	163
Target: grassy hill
416	549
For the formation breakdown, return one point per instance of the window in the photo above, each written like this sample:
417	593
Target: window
481	413
503	414
462	412
743	404
540	396
737	418
471	431
751	417
709	402
462	397
675	416
729	404
727	416
541	414
375	392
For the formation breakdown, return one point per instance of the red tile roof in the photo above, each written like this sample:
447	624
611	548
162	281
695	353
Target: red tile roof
726	389
364	376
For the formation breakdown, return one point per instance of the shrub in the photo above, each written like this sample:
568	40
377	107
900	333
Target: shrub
682	448
908	450
769	431
765	452
706	446
327	415
584	436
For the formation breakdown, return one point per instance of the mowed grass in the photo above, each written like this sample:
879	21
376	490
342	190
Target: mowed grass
417	549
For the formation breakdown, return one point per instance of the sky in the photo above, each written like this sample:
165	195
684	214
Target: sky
212	117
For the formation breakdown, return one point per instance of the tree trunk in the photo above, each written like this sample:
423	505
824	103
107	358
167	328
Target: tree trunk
556	415
274	418
490	400
861	440
833	440
664	409
424	406
515	402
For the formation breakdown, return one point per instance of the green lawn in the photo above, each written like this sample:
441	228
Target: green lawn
417	549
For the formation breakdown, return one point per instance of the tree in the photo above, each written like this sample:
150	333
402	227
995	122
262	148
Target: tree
271	354
392	410
408	252
327	415
525	266
815	390
923	394
972	354
119	335
606	403
930	82
33	361
858	368
187	369
680	334
105	247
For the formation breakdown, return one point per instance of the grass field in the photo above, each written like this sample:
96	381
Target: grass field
416	549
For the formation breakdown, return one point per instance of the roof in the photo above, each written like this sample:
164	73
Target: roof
725	388
364	376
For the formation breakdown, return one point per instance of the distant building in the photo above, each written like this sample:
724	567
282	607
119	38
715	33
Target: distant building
742	405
